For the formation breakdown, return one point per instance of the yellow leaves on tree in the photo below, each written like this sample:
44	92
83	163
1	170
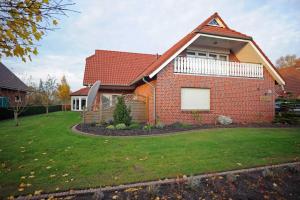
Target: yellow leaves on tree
23	23
63	90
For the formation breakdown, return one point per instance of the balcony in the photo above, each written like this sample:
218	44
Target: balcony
201	66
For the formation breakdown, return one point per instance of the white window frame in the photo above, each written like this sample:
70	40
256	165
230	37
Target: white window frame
191	101
74	102
207	55
110	97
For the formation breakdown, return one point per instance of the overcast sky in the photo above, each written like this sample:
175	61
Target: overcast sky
152	27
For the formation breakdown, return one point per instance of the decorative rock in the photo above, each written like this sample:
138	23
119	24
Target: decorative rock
224	120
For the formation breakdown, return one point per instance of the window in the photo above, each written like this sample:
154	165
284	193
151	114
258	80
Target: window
213	56
83	103
191	53
201	54
223	57
18	98
108	100
195	99
213	22
4	102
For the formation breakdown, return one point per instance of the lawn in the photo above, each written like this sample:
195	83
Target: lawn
44	154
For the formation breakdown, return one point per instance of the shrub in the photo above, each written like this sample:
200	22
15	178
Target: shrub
134	126
147	127
122	112
160	125
110	127
121	126
181	125
197	116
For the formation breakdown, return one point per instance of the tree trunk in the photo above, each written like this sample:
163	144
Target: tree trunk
47	110
16	118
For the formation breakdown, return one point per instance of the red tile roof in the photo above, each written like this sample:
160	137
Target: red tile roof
215	30
115	68
291	76
81	92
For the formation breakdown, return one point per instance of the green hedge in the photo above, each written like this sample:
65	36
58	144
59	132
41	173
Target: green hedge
30	110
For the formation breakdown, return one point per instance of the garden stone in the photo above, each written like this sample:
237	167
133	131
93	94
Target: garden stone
224	120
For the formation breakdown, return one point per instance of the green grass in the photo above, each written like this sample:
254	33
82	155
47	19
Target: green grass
92	161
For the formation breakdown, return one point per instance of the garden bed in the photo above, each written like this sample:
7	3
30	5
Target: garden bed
276	183
173	128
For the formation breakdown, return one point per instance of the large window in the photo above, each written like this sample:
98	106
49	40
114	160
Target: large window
208	55
195	99
108	100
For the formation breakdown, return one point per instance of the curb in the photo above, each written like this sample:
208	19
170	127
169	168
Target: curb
149	183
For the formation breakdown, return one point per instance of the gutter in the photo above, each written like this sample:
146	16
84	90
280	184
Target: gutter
154	98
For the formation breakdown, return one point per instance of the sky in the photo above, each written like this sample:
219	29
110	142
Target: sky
152	26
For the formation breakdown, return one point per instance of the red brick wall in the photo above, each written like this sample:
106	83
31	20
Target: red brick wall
11	95
242	99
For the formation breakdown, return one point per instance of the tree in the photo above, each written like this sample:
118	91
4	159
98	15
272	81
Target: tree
63	91
18	106
286	61
24	22
122	112
47	90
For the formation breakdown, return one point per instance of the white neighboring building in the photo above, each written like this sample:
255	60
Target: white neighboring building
79	99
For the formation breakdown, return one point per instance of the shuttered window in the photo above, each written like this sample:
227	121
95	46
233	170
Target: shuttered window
195	99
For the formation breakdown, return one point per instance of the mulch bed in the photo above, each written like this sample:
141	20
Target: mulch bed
277	183
101	130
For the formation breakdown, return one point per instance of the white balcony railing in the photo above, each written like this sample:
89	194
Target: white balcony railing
200	66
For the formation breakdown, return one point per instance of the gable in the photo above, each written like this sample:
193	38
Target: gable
206	30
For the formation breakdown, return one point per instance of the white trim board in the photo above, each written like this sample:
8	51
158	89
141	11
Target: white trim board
276	76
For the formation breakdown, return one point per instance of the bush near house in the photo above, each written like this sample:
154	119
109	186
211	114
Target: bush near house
122	113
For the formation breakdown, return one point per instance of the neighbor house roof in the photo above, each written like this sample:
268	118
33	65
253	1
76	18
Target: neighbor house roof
115	67
291	76
9	80
81	92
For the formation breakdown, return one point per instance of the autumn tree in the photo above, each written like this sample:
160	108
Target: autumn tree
18	106
286	61
47	90
24	22
63	91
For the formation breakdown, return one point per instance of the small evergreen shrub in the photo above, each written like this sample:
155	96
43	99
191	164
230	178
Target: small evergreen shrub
134	126
122	113
110	127
121	126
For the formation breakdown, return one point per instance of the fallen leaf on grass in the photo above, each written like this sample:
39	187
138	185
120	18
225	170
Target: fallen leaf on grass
21	189
28	185
22	185
0	150
240	164
22	147
52	175
132	189
23	177
57	188
145	158
36	159
48	167
64	175
32	172
23	151
44	153
38	192
31	176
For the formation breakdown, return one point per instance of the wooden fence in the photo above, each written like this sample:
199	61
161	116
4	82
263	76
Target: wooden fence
137	107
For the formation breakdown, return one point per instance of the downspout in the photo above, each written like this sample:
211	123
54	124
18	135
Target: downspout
154	98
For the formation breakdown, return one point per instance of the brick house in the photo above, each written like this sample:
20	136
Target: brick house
212	71
291	76
12	89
